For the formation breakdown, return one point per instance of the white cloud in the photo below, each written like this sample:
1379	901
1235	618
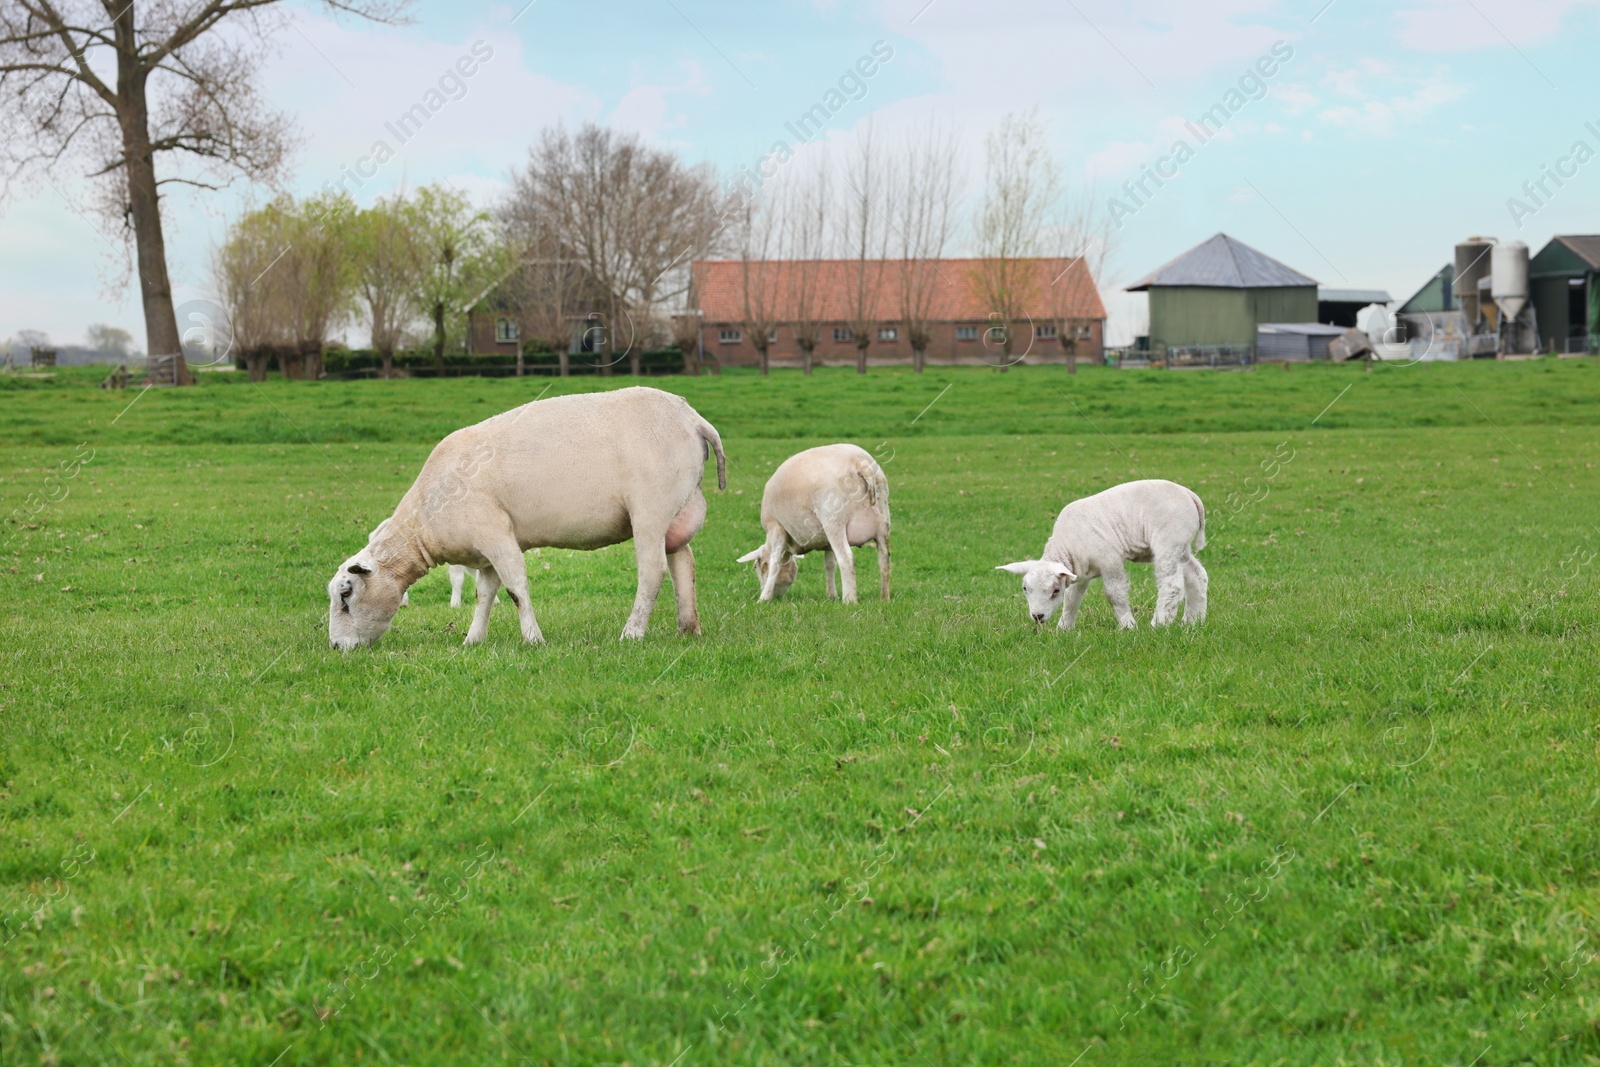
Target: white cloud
347	86
1092	43
1450	26
1296	98
1382	117
646	109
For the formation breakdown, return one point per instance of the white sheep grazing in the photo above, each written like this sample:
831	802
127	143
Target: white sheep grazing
1150	521
581	471
832	498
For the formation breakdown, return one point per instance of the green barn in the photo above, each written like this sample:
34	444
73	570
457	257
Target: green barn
1564	281
1218	292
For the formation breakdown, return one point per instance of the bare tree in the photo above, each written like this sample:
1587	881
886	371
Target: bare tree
866	238
806	222
925	201
1085	241
181	86
386	265
686	334
1021	188
760	264
633	216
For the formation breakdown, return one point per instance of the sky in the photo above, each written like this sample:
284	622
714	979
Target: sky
1355	141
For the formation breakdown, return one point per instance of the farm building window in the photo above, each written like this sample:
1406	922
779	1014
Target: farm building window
729	337
1085	332
842	334
888	333
505	331
772	336
1045	331
966	333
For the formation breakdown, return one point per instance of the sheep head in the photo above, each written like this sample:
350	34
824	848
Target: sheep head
362	600
787	572
1044	583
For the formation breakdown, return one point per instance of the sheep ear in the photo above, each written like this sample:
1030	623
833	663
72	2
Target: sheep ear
748	556
356	568
1062	571
1018	568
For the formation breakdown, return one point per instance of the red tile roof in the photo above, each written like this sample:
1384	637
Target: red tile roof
957	296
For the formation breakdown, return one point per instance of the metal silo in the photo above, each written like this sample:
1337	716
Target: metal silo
1472	263
1509	278
1509	286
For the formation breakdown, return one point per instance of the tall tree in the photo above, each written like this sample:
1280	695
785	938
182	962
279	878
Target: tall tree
386	267
458	252
760	264
866	238
1021	187
124	83
1085	240
929	189
634	217
544	288
806	221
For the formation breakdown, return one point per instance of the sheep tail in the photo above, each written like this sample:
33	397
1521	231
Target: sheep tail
713	440
873	481
1200	538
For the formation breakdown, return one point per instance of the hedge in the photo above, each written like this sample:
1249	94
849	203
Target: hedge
355	362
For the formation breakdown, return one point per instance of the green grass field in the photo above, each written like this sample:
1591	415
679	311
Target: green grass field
1350	820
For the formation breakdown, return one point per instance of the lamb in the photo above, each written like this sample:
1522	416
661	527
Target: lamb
832	498
1150	521
581	471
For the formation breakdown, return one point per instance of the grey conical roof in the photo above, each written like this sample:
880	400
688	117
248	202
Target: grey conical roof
1224	263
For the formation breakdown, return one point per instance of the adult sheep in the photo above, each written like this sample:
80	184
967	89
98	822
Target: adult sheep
1150	521
582	471
830	498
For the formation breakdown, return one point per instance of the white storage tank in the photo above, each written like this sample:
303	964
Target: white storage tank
1509	278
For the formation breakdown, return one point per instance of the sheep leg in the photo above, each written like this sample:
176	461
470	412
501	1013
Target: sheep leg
458	578
650	551
1195	581
777	551
1169	589
680	565
847	561
488	587
1115	583
1070	599
829	565
512	569
883	565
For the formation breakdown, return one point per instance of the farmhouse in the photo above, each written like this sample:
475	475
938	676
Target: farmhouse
1565	282
1052	305
1220	292
551	301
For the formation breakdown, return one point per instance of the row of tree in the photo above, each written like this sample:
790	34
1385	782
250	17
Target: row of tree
294	272
596	222
600	225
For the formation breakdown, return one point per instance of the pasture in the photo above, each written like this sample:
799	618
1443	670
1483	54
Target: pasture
1350	820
